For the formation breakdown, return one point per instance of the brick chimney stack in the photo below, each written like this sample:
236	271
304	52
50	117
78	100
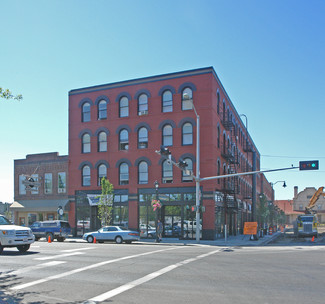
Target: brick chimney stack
295	193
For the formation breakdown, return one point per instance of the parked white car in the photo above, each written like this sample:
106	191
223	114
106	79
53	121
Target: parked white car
14	236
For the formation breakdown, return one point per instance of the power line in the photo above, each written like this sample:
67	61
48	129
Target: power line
279	156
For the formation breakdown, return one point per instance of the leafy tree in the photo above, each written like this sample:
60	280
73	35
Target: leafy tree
263	210
6	94
105	202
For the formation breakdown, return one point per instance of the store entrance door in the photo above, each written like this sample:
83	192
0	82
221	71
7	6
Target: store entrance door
172	217
179	222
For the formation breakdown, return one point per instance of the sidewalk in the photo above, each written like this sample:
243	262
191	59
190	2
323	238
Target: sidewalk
239	240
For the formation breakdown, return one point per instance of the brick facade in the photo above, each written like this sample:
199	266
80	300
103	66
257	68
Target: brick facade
225	147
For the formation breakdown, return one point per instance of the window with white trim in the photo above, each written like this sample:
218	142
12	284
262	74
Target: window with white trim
167	172
167	101
124	174
142	105
102	172
142	138
85	112
86	147
102	109
86	175
186	177
167	133
143	172
187	134
102	142
124	107
187	99
124	140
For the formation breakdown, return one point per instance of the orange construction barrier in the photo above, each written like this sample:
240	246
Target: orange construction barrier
270	231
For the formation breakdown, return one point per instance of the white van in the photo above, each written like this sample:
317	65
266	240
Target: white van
14	236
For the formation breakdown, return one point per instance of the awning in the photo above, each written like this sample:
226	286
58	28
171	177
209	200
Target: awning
39	205
16	205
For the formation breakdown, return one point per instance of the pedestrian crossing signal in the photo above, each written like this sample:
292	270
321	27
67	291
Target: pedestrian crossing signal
309	165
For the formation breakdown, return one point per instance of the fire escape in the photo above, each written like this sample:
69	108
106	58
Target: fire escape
230	153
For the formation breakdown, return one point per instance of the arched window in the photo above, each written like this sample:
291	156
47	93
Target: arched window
143	105
102	109
167	133
124	140
124	107
167	172
218	170
86	176
102	172
167	101
124	174
218	137
143	173
187	99
86	147
85	112
102	142
187	134
143	138
186	177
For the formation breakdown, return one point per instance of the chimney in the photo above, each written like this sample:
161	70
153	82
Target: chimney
295	192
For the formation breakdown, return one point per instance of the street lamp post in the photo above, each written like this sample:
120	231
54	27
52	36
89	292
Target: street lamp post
197	179
156	188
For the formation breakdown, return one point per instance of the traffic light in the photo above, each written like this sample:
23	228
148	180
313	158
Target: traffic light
164	151
182	164
308	165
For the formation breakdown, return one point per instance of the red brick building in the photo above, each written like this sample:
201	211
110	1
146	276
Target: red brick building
115	129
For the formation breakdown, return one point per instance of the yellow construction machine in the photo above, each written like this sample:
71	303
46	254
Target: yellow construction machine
306	224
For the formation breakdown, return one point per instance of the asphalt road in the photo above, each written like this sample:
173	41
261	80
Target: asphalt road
157	273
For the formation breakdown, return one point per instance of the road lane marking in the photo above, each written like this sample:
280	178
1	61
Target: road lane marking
112	293
36	267
73	250
64	274
58	256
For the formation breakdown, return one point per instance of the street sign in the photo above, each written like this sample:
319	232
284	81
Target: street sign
250	228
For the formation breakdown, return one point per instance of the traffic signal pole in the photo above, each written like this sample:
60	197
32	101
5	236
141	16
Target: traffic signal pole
167	154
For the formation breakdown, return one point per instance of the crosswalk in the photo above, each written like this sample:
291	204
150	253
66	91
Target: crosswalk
57	265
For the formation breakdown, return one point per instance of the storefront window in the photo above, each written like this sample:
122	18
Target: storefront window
48	183
121	216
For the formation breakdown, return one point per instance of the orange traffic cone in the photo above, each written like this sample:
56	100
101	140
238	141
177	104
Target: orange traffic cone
49	239
94	239
313	239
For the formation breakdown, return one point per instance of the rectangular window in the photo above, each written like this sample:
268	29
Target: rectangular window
22	187
48	183
62	187
35	178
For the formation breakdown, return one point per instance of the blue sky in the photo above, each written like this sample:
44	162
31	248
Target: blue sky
269	56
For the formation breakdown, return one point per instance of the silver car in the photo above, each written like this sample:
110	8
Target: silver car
112	233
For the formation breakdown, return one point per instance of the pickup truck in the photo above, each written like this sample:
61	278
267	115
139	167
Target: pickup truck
14	236
51	230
